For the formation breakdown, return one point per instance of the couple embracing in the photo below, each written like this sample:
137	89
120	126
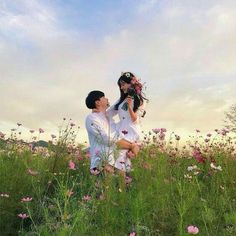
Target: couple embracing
112	145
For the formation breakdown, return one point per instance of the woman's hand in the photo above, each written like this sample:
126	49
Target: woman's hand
129	100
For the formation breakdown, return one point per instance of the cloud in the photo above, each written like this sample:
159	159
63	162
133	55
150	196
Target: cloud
146	5
185	53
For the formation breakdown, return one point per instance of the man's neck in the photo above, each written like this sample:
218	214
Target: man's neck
98	110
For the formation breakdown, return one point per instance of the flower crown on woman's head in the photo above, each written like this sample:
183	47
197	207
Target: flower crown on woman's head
127	74
135	83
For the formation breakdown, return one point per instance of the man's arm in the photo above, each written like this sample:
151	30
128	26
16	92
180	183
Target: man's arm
95	128
111	112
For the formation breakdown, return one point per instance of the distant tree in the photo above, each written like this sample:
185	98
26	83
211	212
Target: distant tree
230	118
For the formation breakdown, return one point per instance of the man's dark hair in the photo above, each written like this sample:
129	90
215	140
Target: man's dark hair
92	97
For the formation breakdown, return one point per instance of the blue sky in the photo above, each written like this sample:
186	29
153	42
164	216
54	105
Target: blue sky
52	53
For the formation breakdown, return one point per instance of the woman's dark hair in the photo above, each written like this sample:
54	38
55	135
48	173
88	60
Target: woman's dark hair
135	90
92	97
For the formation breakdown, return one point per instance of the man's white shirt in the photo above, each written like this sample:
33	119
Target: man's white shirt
102	137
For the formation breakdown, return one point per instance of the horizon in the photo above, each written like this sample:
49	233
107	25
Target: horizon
52	54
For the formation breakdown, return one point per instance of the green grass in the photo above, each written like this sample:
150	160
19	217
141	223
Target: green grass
160	200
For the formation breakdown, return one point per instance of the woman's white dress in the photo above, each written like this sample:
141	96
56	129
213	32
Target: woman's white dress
126	129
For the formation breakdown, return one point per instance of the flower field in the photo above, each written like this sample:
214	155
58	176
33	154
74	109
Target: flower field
175	189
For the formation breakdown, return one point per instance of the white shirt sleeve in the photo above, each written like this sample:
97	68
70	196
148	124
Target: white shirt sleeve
111	112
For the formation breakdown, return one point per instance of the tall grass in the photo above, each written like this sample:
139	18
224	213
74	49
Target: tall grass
172	188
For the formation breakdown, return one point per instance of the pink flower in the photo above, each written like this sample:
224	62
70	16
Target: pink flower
162	136
71	165
86	198
128	179
156	131
147	166
26	199
69	193
163	130
192	229
23	216
224	131
94	171
198	156
2	135
88	154
130	154
133	81
41	130
132	234
138	91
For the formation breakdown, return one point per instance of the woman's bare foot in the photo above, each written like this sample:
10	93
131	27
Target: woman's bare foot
109	169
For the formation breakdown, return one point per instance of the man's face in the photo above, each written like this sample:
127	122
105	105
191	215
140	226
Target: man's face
103	102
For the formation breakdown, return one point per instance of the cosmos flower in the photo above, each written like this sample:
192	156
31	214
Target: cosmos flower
41	130
132	234
156	130
71	165
26	199
192	229
23	215
86	198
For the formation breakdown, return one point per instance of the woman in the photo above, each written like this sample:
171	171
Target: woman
129	107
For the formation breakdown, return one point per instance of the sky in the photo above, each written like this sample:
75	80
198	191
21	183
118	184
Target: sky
54	52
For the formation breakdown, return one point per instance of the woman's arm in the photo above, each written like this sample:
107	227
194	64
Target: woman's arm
133	114
124	144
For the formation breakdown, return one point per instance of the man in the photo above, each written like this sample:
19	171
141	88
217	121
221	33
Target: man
102	134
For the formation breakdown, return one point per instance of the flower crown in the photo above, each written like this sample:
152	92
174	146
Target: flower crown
135	83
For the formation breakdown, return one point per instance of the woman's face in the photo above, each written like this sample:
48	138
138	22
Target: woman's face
124	86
